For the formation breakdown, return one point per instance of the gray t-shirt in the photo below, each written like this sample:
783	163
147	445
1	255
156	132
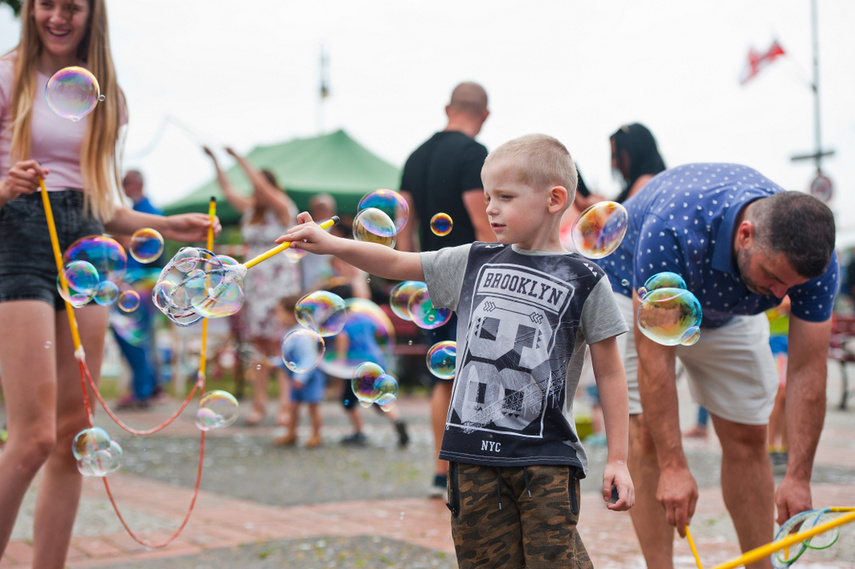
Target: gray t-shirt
524	319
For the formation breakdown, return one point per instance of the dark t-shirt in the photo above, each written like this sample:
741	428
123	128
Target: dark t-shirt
436	175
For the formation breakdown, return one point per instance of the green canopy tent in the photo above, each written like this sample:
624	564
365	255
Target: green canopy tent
333	163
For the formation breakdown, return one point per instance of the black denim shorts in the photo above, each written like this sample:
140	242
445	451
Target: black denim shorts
27	264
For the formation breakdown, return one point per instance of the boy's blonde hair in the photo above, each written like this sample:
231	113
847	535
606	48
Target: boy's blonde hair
99	156
542	161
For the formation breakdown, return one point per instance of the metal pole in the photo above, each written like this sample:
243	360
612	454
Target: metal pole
817	132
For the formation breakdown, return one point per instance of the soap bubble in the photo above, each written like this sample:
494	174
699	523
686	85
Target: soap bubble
599	229
322	311
96	453
400	295
670	316
217	409
423	312
105	254
294	255
442	358
385	390
391	203
665	279
441	224
146	245
82	279
107	293
370	336
302	349
364	377
374	226
72	93
128	301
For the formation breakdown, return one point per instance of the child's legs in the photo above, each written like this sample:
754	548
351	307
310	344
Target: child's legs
549	517
315	417
484	535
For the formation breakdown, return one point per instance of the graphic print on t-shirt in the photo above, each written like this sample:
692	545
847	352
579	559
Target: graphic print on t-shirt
505	376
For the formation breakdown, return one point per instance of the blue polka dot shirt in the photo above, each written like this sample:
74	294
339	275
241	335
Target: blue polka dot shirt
683	222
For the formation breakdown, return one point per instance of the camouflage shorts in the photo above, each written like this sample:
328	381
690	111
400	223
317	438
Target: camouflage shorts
516	517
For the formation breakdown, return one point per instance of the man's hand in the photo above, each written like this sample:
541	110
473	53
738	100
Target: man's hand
678	494
792	497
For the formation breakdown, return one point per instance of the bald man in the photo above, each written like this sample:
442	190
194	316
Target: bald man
444	175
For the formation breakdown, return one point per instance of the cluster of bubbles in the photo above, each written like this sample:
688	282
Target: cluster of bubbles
369	333
441	224
802	522
93	268
320	314
73	93
442	358
380	216
198	284
372	385
217	409
96	453
599	230
669	314
410	300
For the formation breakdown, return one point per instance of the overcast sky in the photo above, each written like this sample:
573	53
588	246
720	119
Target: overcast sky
247	73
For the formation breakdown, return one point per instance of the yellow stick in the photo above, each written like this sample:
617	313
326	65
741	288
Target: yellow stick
54	241
282	246
212	211
763	551
692	545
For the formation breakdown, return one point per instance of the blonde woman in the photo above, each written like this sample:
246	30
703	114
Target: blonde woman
78	162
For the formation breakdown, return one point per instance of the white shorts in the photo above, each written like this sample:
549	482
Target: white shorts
731	370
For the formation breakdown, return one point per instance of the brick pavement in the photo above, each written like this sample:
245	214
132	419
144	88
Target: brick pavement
220	521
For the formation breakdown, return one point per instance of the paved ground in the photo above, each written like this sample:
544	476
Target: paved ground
261	506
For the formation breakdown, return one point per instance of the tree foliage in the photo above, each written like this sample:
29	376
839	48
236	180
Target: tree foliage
15	4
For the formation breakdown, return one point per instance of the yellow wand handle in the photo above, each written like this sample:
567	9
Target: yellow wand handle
694	551
212	211
54	241
763	551
284	245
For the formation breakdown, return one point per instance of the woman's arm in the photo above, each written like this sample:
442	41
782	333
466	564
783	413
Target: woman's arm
240	202
271	196
186	227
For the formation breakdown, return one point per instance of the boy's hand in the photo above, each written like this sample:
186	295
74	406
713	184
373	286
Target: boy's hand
309	236
616	474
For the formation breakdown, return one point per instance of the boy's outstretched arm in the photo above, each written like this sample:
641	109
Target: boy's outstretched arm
372	258
611	384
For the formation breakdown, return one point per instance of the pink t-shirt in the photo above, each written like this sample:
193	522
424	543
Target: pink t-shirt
55	141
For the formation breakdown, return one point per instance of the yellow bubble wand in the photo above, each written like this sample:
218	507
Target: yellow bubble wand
85	375
764	551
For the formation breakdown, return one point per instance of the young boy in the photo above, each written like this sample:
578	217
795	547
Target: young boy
526	309
307	387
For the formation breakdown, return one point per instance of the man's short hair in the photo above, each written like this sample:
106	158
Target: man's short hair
469	97
542	160
798	225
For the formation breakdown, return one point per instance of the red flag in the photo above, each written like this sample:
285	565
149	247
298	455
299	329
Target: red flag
757	61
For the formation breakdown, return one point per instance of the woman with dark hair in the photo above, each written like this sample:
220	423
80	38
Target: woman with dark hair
635	157
265	214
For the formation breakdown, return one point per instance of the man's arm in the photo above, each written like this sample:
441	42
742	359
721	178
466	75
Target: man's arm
476	207
372	258
677	490
805	411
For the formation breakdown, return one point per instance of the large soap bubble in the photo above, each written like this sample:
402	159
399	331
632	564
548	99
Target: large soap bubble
73	93
599	229
391	203
669	314
322	311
